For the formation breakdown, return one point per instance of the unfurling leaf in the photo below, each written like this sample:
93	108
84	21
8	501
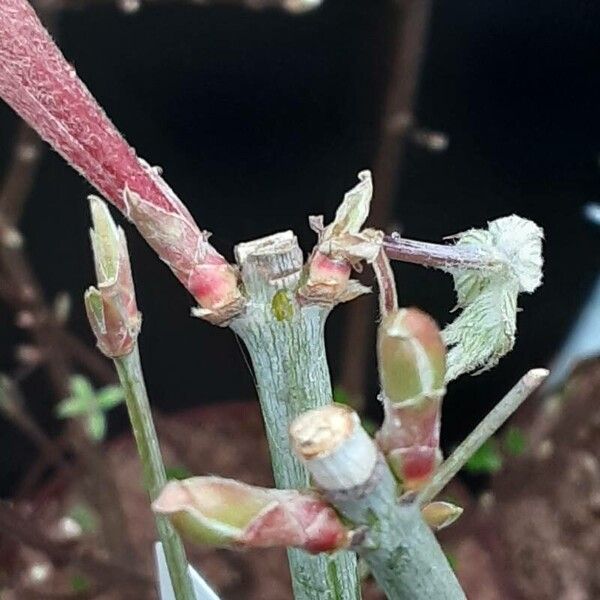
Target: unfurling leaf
485	329
111	307
341	245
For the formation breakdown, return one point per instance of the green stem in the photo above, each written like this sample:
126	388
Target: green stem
400	549
490	424
405	558
286	344
131	377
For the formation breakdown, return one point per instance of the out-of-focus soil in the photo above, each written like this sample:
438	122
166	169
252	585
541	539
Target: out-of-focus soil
535	535
226	440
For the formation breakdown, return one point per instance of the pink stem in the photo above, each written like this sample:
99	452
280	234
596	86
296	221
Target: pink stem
39	84
441	256
388	296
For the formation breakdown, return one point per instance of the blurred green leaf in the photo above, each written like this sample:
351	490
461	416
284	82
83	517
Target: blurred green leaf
340	396
95	425
79	583
110	396
72	407
515	441
90	404
81	387
452	560
486	460
369	426
178	472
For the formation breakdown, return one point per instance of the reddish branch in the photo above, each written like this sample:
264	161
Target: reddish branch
39	84
442	256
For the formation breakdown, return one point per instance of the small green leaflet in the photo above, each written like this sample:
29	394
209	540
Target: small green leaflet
90	405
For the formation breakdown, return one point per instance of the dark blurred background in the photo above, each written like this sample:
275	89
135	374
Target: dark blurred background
259	119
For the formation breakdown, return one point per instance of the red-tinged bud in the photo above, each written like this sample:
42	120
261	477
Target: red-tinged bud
111	307
412	362
227	513
411	356
341	245
179	243
409	437
327	277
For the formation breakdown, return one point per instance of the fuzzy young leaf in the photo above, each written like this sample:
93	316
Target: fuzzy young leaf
485	330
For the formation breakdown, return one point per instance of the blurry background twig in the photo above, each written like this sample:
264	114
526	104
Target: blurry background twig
397	125
53	349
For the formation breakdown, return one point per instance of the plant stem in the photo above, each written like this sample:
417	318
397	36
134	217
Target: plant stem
490	424
388	296
131	377
286	344
408	563
440	256
399	547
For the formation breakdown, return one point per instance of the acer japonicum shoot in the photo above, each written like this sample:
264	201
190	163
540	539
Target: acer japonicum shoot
278	304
